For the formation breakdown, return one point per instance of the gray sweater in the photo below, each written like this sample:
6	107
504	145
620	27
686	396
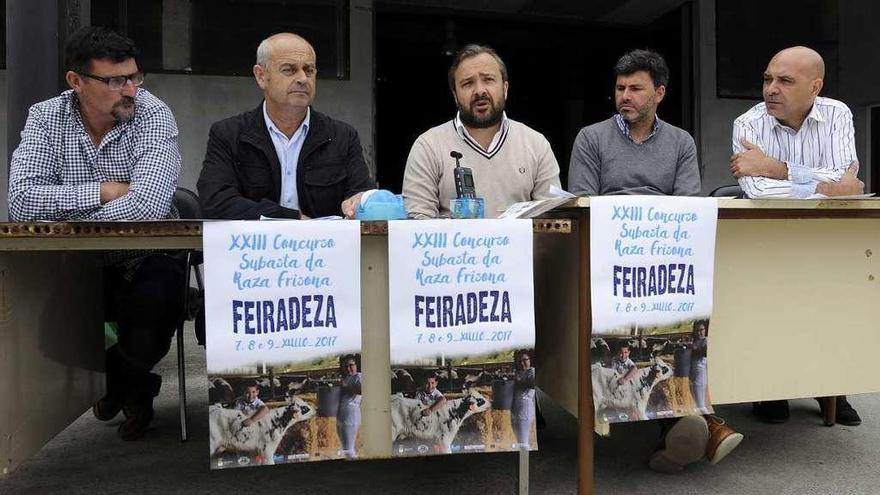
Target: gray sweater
605	161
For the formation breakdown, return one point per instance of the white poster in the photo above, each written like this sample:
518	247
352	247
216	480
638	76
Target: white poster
462	317
652	264
283	329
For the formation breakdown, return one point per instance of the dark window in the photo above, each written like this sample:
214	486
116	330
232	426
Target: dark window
2	34
222	35
750	32
140	20
225	33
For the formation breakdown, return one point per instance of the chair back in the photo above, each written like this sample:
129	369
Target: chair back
187	204
727	191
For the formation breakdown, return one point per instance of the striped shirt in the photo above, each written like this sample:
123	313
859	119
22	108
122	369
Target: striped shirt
497	140
820	151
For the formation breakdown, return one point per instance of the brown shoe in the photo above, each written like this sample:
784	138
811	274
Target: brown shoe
685	443
106	408
138	416
722	439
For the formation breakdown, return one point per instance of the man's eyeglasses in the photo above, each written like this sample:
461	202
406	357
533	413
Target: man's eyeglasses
117	82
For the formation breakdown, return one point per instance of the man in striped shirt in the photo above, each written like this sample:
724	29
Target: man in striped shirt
796	144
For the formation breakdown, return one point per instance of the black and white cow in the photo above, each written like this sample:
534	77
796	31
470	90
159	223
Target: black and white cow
441	426
599	350
220	391
402	382
261	438
632	395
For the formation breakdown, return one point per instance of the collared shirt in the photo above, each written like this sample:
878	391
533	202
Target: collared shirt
497	140
248	408
288	151
820	151
622	367
428	399
623	125
56	171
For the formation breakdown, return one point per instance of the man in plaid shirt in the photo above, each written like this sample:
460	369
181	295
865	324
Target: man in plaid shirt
107	150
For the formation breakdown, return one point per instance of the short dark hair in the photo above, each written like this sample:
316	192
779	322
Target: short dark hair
644	60
469	51
95	43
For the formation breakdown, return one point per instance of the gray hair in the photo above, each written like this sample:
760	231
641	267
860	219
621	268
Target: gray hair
263	53
264	50
473	50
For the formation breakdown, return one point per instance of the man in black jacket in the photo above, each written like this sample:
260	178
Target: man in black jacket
283	159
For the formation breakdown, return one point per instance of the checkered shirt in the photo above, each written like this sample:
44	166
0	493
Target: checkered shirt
56	171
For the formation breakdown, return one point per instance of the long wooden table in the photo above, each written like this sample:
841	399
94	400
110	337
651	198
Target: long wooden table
798	276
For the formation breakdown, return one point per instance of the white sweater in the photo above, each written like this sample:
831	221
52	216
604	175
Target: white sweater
522	169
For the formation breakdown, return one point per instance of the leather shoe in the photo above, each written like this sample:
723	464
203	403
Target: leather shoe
771	411
722	439
845	413
106	408
138	416
684	444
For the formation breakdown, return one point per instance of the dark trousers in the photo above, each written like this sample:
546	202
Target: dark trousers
147	309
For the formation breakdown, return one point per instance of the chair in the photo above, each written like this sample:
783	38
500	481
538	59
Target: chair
727	191
187	204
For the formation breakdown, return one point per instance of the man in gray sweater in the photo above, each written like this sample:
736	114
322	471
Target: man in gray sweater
634	152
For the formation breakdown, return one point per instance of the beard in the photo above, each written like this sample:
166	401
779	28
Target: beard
491	118
640	113
123	110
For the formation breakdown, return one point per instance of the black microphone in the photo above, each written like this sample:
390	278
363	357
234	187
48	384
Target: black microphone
464	178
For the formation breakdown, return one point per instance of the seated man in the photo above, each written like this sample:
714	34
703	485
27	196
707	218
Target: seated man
796	144
634	152
510	162
107	150
283	159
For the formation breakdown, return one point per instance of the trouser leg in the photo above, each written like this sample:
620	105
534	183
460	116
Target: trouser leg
148	309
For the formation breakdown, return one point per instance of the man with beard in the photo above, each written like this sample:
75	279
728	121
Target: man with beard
283	159
107	150
634	152
510	161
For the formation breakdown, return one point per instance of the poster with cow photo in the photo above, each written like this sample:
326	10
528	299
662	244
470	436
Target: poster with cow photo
283	328
462	321
652	262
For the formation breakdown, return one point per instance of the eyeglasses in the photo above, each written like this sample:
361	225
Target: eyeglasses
117	82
